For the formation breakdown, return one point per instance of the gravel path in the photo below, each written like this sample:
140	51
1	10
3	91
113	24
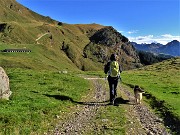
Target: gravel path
152	124
81	120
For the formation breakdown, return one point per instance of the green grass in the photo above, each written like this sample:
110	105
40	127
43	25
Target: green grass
47	53
40	55
110	121
162	80
37	98
94	73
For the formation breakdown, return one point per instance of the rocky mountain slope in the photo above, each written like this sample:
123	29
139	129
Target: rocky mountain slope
106	41
84	46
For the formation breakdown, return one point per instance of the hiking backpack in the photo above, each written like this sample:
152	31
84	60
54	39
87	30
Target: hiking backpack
114	69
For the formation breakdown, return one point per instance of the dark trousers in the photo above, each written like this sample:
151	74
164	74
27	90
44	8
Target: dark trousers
113	82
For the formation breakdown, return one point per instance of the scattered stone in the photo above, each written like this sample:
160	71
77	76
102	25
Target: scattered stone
151	123
80	121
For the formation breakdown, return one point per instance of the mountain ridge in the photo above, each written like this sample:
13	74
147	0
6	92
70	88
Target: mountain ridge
171	48
11	10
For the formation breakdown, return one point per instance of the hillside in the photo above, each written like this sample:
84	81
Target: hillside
161	84
10	11
57	45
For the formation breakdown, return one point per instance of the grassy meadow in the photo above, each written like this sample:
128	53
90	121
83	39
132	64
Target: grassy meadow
38	98
161	80
41	94
41	99
52	60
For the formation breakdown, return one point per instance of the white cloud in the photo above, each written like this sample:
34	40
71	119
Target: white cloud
132	32
163	39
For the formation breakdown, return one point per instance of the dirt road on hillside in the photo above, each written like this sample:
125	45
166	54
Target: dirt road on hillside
81	120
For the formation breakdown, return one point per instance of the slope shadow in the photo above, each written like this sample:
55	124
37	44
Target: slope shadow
170	119
60	97
66	98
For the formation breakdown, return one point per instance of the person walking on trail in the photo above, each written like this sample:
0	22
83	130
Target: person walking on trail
113	70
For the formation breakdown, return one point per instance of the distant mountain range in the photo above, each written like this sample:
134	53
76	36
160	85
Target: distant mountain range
172	48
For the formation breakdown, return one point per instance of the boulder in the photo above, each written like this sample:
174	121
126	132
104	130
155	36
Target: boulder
4	85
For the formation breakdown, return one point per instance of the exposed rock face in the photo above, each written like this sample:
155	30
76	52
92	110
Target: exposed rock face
108	36
4	85
107	41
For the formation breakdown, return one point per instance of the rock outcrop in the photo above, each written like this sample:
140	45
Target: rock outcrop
107	41
4	85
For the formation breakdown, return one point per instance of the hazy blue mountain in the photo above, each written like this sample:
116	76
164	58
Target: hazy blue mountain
171	48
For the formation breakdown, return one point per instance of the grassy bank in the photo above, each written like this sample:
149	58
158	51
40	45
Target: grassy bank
162	80
38	98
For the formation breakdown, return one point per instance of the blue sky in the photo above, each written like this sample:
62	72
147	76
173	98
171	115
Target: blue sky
142	21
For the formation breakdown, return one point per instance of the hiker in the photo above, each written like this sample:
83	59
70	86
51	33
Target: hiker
113	70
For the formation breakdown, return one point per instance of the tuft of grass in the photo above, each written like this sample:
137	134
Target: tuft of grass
38	98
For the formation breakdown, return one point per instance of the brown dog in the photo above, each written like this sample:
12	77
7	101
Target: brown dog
138	94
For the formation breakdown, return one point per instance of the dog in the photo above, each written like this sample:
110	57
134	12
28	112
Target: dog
138	94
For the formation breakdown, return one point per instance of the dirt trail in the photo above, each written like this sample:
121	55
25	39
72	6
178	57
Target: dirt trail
80	121
152	124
